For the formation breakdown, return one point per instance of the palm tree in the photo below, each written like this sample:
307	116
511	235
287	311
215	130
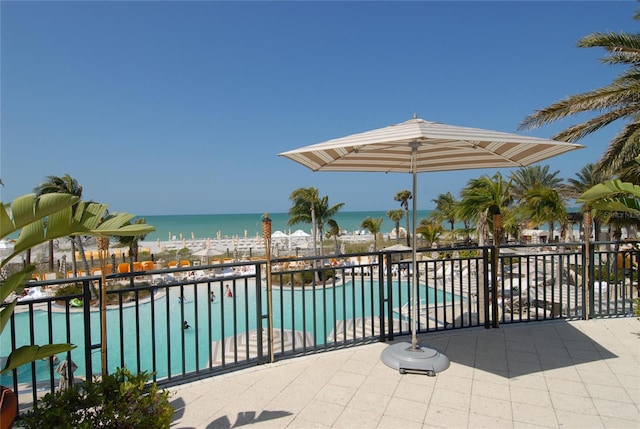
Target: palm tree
403	197
585	179
66	185
303	210
445	211
334	231
325	213
430	230
481	199
132	241
526	178
396	215
309	207
544	204
616	101
373	225
539	193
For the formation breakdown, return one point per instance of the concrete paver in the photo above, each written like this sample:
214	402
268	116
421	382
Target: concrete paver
555	374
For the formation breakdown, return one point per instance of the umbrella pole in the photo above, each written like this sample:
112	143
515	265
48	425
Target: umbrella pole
411	357
414	256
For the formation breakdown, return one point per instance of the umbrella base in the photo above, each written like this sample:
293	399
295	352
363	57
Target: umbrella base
422	360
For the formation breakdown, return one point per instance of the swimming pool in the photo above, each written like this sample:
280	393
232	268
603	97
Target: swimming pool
152	337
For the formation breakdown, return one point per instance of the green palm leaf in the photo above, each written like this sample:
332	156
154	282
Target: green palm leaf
28	354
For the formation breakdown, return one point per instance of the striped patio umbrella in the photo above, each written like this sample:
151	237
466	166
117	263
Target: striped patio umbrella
417	146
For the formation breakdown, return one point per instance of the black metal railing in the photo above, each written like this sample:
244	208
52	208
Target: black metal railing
319	304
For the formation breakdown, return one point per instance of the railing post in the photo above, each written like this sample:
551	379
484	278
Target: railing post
495	262
384	305
587	288
86	314
484	298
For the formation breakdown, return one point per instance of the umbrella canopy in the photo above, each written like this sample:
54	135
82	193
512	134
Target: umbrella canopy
300	233
209	251
418	146
432	146
397	248
279	234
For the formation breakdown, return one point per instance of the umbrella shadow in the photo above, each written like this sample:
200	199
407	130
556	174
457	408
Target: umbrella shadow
246	418
518	350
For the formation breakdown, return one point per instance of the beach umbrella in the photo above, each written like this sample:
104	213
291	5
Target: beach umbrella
209	251
417	146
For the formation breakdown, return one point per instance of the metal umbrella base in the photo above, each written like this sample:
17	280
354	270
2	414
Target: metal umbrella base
406	358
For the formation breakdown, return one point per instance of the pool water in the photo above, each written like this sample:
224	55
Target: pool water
174	347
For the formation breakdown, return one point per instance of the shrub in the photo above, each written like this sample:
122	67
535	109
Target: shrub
120	400
69	289
326	274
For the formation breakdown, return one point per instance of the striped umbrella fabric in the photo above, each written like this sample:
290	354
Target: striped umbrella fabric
418	146
438	147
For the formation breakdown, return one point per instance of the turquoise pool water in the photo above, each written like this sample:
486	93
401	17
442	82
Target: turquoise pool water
175	348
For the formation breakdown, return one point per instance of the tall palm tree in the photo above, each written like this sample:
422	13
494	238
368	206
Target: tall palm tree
585	179
303	210
325	213
309	207
445	211
430	230
334	232
481	199
66	185
396	216
544	204
525	178
373	225
403	197
132	241
616	101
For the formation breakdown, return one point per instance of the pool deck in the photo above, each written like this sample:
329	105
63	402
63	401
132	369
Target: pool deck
555	374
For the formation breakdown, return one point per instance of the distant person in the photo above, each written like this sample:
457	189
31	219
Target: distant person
185	325
213	296
228	292
180	299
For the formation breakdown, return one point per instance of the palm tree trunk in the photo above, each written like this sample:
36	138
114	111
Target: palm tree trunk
74	265
406	212
92	288
315	229
50	256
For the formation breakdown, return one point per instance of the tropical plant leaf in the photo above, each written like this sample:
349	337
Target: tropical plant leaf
5	313
28	354
15	282
613	195
620	204
119	224
88	216
609	189
29	208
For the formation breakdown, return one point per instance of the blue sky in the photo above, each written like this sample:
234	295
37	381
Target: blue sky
182	107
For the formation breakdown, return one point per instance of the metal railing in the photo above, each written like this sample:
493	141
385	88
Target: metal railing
318	305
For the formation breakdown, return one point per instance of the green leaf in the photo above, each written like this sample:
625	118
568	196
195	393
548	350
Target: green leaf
5	313
29	208
28	354
612	195
15	282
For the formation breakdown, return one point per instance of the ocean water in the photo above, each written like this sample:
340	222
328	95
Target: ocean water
230	225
